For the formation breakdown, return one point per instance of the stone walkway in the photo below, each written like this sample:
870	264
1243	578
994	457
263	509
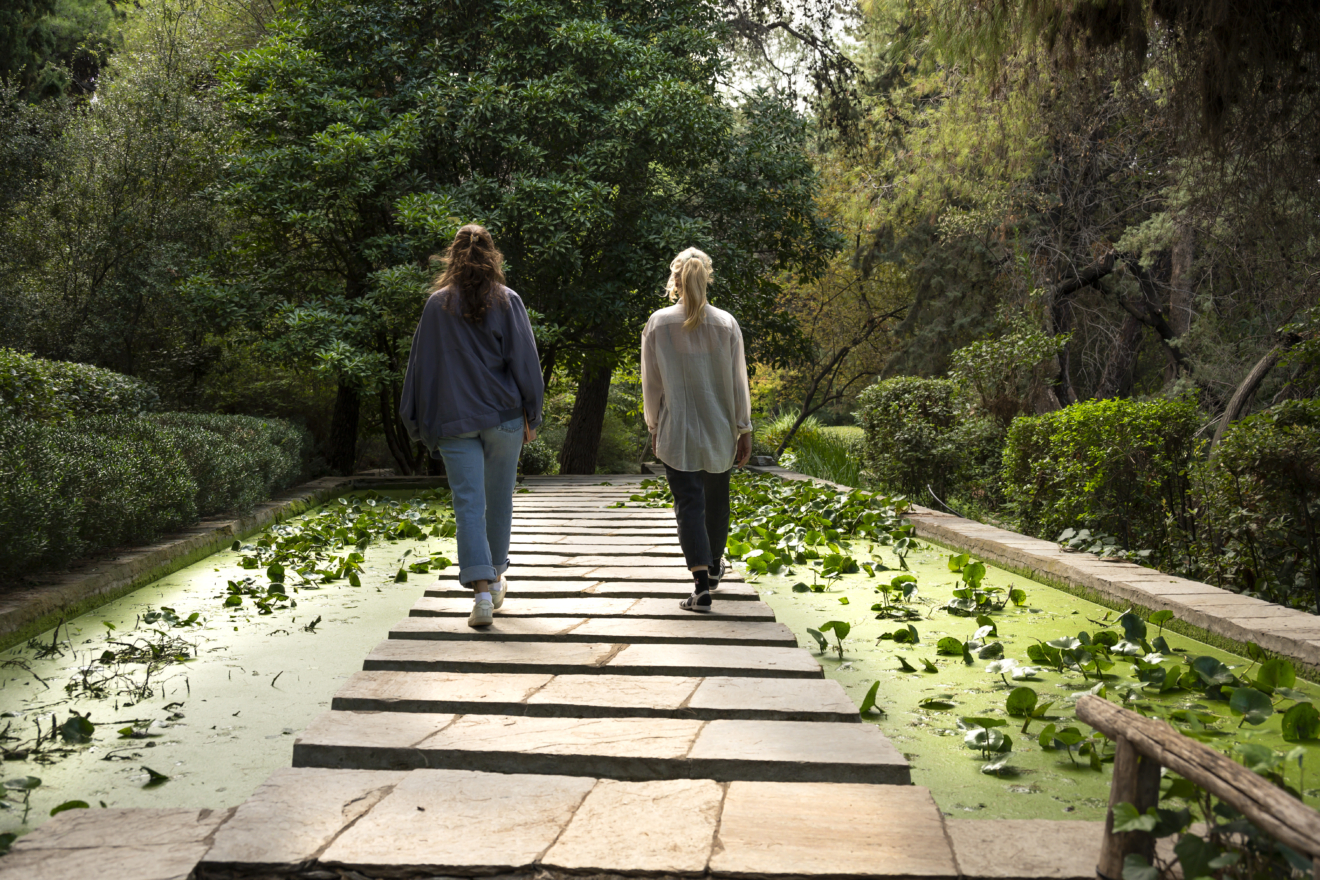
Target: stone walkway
594	728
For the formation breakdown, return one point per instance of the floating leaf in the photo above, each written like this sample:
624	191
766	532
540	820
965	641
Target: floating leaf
949	645
401	577
1159	618
904	666
1022	701
1301	722
77	729
1017	596
1134	628
233	601
930	667
1253	705
843	600
70	805
936	704
154	778
1275	674
991	651
840	628
801	588
23	783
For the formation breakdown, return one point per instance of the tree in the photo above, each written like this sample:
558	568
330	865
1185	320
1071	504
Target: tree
589	136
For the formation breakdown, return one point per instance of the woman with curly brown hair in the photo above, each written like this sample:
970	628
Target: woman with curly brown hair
473	395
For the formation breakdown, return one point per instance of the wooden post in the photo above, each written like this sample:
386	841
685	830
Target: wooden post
1137	782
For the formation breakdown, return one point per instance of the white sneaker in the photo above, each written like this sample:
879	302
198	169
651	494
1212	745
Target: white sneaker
483	613
497	591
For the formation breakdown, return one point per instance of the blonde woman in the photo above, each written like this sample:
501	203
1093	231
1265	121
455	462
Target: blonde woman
698	409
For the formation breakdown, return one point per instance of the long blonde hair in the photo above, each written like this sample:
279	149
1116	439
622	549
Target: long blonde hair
689	273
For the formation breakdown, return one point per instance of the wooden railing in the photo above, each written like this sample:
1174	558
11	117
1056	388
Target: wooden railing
1144	745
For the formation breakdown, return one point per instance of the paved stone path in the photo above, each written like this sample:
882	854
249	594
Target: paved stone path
594	727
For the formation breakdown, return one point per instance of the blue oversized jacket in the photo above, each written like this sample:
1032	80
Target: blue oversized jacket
467	377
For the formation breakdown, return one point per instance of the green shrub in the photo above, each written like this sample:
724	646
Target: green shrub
538	458
1114	466
45	390
1259	504
237	462
75	488
921	435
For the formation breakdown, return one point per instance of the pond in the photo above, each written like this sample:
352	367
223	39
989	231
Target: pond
973	671
205	676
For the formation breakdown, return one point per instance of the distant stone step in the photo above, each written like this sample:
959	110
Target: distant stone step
522	548
568	588
695	630
608	569
570	658
594	606
598	696
632	749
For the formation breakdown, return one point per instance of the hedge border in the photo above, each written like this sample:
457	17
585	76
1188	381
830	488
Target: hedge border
1120	585
28	612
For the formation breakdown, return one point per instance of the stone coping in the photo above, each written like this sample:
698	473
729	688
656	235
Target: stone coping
1212	614
316	824
28	611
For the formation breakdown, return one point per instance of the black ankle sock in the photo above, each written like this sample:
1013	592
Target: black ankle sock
716	569
702	579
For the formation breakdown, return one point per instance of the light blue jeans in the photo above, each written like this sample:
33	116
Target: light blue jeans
482	467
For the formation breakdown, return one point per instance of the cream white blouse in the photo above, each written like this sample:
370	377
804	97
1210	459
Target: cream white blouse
694	389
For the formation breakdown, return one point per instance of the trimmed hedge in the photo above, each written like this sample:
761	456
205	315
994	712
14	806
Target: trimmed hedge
1258	527
921	434
70	489
48	391
1117	466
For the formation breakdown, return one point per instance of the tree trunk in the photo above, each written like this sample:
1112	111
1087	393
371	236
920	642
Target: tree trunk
344	431
1181	288
1247	389
1116	380
582	441
401	447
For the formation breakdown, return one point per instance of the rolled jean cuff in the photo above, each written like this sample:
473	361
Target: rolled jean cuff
479	573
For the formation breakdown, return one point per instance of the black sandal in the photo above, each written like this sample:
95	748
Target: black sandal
699	602
717	573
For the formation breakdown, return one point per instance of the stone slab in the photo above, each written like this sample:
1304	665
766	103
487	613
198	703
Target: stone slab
724	660
438	821
696	630
419	655
567	589
798	751
150	844
589	541
596	607
439	692
808	830
783	699
524	563
597	696
663	827
1025	849
405	655
633	749
521	550
296	813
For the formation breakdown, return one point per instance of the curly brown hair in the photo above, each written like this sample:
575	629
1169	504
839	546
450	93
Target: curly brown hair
473	277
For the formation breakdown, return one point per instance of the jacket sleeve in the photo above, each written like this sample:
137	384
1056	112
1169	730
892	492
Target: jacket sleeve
523	362
653	386
742	392
408	410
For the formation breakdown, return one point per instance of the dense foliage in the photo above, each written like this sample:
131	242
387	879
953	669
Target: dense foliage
52	391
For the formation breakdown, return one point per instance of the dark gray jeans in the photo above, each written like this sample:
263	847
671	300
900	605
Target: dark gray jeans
701	505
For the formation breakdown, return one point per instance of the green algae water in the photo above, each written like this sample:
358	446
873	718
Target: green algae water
922	709
244	679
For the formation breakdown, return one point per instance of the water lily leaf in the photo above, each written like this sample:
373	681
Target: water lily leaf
1066	643
1134	628
235	547
1017	596
1041	709
801	588
957	562
401	576
23	783
233	601
1159	618
820	639
1301	722
77	729
930	667
1288	693
840	628
1022	701
868	702
936	704
949	645
70	805
987	624
1212	672
1253	705
1275	674
275	572
991	651
995	766
972	722
843	600
904	666
154	778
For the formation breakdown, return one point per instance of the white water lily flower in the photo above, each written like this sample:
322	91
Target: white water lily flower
1153	658
982	633
999	667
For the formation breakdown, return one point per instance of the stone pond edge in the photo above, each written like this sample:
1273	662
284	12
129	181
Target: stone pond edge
30	611
1006	549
